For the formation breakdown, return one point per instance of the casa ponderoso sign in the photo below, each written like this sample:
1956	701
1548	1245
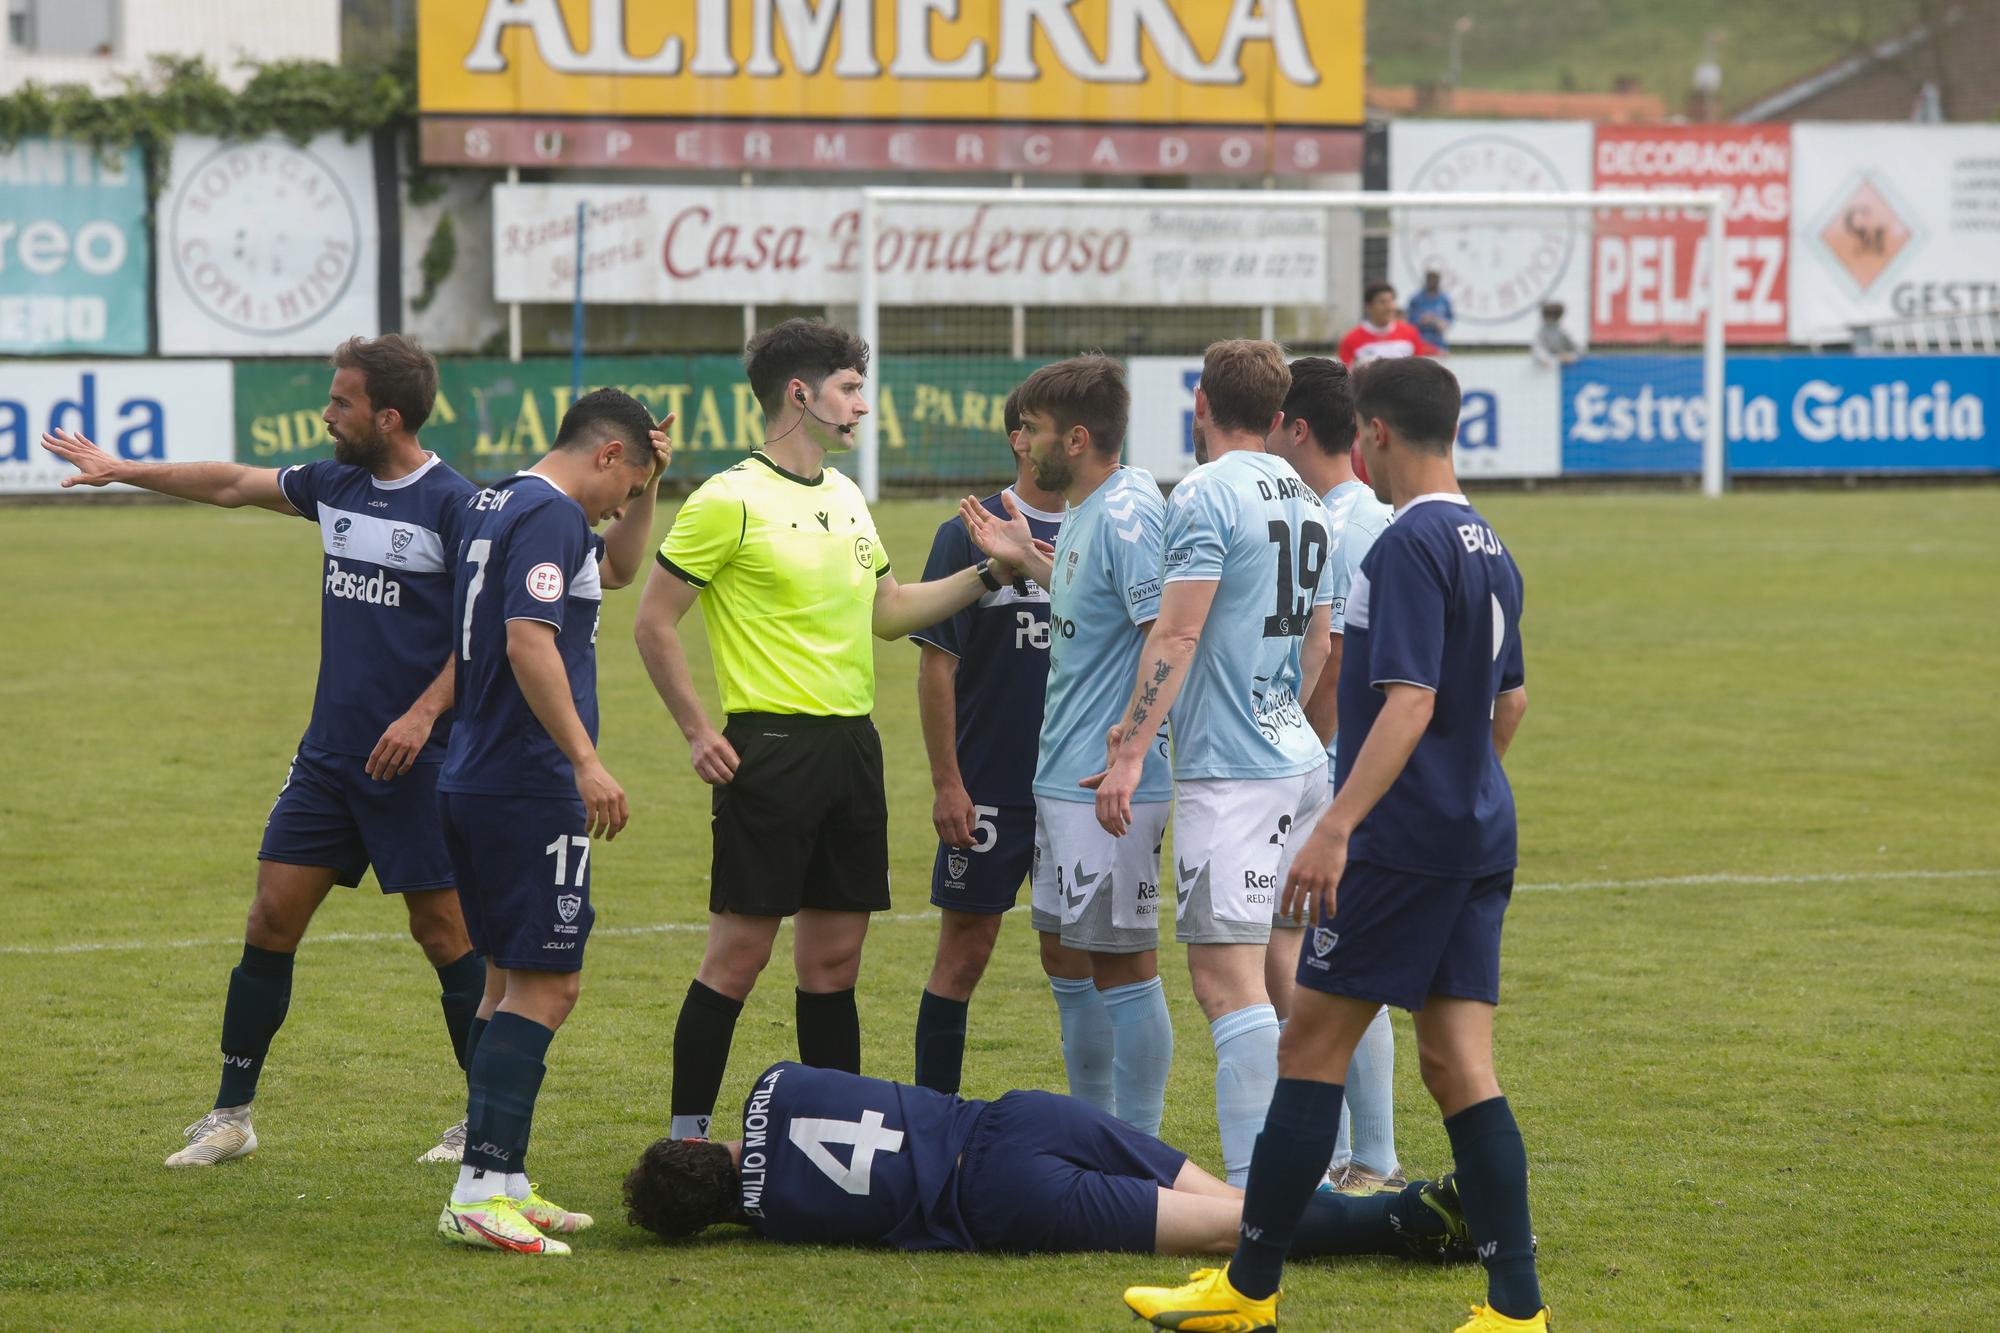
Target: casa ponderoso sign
1251	87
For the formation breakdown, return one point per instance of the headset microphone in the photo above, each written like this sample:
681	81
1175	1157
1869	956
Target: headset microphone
800	394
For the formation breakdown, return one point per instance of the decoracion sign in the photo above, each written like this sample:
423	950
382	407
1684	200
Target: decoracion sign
268	246
1248	87
142	411
1650	268
73	248
724	245
1497	266
1892	222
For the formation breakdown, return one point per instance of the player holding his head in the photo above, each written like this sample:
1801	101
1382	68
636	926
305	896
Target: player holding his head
793	581
1317	439
832	1158
979	695
1096	896
1241	634
523	791
1380	335
361	789
1409	873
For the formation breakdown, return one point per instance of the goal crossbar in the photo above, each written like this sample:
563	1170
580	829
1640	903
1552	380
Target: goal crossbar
1709	203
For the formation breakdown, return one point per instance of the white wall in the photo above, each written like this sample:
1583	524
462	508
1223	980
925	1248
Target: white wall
223	31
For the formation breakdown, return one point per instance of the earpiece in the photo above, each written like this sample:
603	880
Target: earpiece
799	394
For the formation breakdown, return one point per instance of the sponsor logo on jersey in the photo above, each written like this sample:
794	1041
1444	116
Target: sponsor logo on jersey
340	527
545	583
376	589
1144	591
1179	556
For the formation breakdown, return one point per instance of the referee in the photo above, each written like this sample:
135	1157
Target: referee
792	580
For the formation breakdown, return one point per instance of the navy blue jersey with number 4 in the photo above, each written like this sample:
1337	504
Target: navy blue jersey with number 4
1436	603
1001	642
385	601
525	552
836	1158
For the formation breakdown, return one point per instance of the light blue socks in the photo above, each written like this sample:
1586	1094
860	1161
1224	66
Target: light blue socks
1371	1100
1246	1074
1086	1039
1142	1052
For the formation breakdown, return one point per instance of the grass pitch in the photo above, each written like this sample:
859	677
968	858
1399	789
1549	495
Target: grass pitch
1751	977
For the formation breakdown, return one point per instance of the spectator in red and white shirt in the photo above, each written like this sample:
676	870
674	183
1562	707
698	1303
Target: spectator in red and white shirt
1380	334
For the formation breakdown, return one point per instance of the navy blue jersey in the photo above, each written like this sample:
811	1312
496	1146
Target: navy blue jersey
836	1158
526	552
385	601
1436	603
1001	642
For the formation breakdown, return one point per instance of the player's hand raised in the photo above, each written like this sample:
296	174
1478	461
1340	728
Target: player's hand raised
663	448
399	747
1314	876
1008	540
714	759
94	466
603	801
952	816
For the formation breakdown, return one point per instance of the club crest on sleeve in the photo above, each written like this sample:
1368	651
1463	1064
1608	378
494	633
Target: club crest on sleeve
545	582
1323	941
568	905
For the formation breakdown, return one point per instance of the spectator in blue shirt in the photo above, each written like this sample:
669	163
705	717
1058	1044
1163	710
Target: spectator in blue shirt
1430	310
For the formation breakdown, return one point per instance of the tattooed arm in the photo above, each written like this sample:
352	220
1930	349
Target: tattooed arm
1163	665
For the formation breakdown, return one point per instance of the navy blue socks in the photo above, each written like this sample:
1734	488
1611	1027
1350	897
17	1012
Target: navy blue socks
461	986
260	991
1492	1167
1286	1166
940	1042
506	1076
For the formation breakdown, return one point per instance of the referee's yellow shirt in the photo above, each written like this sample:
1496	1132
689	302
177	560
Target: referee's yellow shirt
787	571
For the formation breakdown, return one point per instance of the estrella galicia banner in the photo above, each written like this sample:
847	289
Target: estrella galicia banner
73	249
1784	414
940	419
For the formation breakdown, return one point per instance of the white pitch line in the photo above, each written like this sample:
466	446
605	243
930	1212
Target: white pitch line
904	918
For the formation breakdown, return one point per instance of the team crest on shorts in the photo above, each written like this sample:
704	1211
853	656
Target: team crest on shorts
568	905
957	863
1323	941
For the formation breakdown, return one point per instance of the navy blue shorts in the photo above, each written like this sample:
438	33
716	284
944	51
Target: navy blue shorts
987	876
331	813
523	866
1047	1173
1395	937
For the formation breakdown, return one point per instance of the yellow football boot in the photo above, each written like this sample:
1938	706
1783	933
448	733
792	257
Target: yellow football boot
1485	1319
1207	1304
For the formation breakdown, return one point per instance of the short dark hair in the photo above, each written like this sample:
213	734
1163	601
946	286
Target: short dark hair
1374	289
604	414
1246	381
1323	398
681	1186
1010	414
807	349
1417	396
396	373
1087	391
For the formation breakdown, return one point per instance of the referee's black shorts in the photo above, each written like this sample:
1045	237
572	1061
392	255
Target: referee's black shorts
804	823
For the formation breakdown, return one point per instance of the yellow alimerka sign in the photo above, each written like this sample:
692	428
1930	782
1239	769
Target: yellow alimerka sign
1262	66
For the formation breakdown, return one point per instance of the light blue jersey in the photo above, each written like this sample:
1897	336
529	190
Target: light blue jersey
1104	586
1354	518
1249	524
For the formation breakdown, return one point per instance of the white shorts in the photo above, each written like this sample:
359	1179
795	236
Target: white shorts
1102	893
1233	845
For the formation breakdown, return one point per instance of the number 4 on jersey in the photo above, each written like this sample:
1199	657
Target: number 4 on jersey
811	1135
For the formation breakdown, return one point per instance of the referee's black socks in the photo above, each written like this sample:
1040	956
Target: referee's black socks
702	1036
260	991
829	1030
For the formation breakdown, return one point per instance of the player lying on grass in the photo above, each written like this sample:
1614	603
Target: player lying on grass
829	1157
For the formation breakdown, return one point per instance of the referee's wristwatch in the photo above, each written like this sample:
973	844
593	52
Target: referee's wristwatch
985	571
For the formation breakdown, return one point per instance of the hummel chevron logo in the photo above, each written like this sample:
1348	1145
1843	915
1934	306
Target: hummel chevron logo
1188	881
1082	882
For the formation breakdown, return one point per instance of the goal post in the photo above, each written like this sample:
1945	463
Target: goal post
954	269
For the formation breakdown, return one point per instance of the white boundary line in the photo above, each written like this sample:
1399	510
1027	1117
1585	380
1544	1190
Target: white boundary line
904	918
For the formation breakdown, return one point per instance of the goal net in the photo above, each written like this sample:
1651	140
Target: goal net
971	290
